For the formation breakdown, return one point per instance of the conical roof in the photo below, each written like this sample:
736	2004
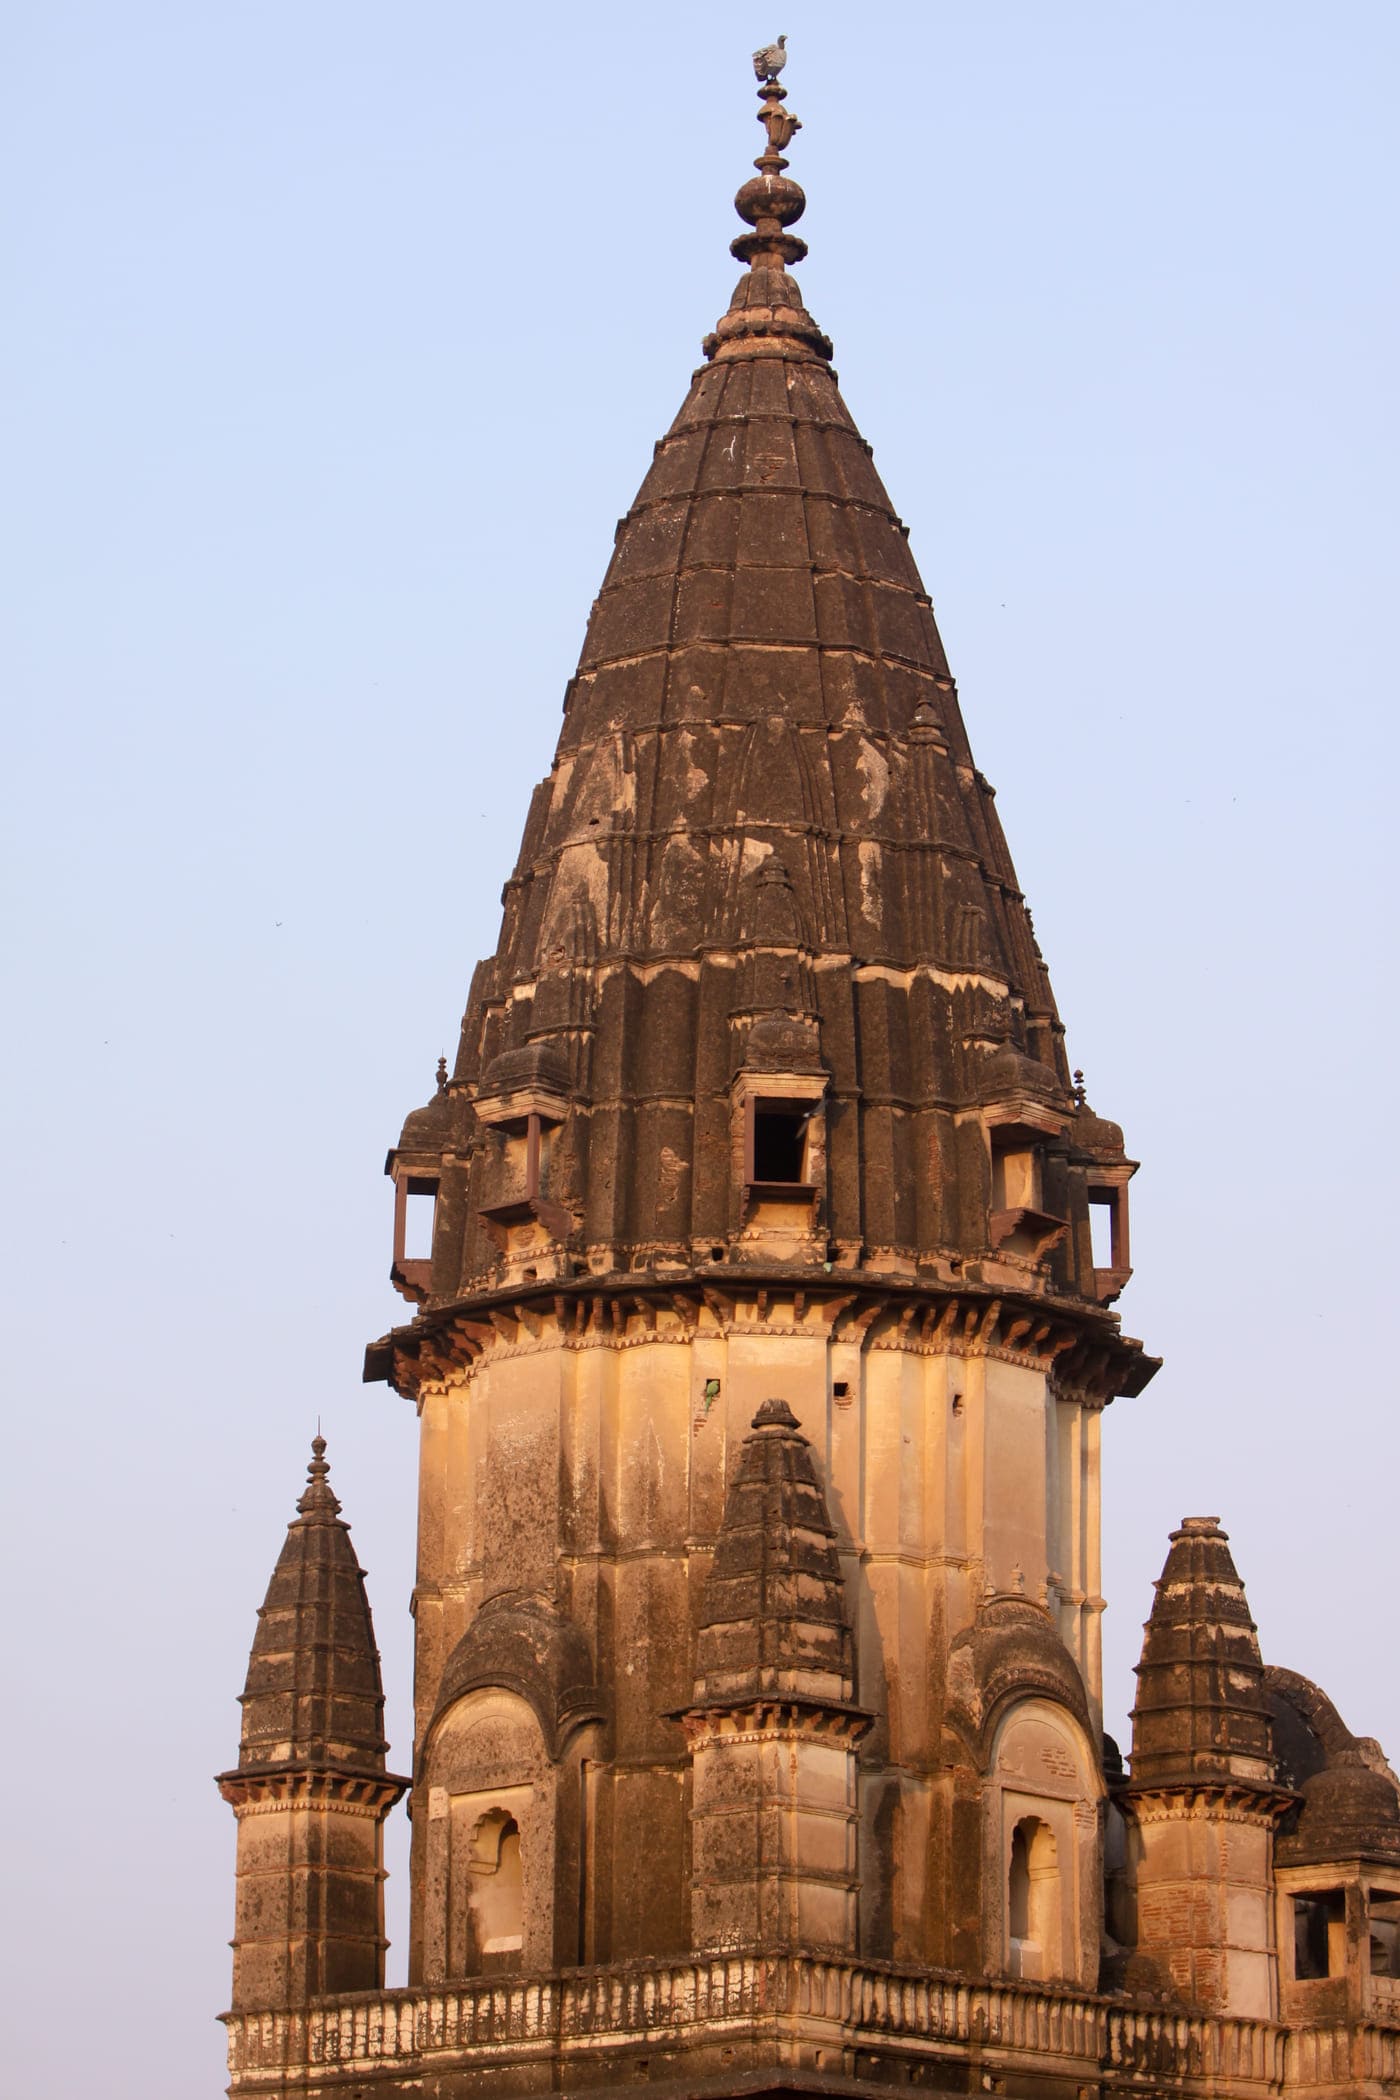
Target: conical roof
763	806
773	1621
313	1700
1201	1714
760	670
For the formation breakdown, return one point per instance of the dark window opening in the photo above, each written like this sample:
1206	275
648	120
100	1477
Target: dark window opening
840	1388
779	1143
1319	1935
1101	1222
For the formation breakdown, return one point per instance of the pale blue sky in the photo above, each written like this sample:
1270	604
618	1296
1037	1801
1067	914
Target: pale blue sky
338	338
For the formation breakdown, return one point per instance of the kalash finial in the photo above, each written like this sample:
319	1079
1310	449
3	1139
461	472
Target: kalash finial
317	1499
769	201
766	316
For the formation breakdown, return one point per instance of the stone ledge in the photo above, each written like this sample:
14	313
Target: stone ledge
835	2023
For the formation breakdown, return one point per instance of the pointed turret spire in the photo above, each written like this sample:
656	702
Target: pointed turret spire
311	1788
1201	1713
313	1695
774	1623
773	1829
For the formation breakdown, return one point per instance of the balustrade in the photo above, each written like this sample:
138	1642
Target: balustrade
869	2006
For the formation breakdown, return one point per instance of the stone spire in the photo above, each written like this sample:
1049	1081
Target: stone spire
763	802
1201	1712
763	1091
774	1625
1204	1787
311	1788
773	1730
313	1699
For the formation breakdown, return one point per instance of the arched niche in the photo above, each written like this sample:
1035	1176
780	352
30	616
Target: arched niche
1042	1881
491	1851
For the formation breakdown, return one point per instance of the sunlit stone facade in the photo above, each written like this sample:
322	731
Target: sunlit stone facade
761	1344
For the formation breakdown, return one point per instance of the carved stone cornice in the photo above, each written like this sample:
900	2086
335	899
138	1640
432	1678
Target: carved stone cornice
263	1790
1220	1801
1078	1343
750	1720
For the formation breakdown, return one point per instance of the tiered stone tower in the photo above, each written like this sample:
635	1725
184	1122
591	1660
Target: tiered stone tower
311	1788
762	1094
760	1350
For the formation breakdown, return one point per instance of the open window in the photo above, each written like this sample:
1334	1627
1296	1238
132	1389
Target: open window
1033	1900
1043	1849
1019	1224
415	1218
778	1160
1383	1907
522	1146
776	1144
1319	1934
1108	1230
521	1109
495	1893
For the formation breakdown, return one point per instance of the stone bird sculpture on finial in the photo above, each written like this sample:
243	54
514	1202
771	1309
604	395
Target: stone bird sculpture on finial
769	62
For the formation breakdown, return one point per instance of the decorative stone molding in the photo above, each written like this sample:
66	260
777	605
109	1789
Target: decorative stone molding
1083	1348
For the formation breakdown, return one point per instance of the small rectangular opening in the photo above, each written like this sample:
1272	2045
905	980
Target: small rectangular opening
1101	1229
1015	1176
1319	1935
1385	1934
419	1216
780	1142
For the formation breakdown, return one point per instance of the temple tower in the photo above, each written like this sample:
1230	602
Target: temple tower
760	1344
1204	1800
310	1789
762	1098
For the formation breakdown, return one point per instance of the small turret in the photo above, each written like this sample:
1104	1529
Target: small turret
1200	1711
310	1788
1203	1799
773	1728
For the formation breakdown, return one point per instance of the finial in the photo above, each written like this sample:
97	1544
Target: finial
769	62
442	1075
1080	1097
769	201
317	1498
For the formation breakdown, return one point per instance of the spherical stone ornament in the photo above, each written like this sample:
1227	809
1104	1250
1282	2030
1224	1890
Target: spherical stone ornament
771	197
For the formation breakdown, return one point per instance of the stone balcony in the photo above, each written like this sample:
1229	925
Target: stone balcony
738	2020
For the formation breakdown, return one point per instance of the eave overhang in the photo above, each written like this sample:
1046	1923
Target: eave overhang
1081	1343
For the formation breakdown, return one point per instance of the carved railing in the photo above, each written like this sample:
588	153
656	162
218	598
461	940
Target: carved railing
852	2006
1361	2054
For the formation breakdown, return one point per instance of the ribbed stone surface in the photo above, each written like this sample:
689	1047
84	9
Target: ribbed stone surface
1201	1712
761	685
773	1619
313	1698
